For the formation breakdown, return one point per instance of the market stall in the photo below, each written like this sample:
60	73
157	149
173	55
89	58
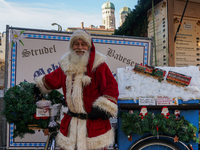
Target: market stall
152	105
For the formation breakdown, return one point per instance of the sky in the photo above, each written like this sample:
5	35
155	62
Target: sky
40	14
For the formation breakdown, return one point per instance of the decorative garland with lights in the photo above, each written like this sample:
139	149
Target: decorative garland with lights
20	107
158	124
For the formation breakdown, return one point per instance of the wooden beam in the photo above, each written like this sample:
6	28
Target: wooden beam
126	106
171	33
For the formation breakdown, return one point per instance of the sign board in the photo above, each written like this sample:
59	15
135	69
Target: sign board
166	101
34	53
42	112
147	101
187	45
161	32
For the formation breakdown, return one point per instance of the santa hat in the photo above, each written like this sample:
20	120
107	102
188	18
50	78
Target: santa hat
80	34
164	108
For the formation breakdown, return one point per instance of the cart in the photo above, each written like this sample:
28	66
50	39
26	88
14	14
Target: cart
188	109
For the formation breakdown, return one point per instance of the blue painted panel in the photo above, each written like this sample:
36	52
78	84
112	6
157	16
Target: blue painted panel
191	115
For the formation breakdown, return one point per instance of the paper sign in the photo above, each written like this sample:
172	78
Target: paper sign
147	101
42	112
166	101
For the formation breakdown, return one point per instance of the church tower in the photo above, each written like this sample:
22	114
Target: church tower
123	12
108	15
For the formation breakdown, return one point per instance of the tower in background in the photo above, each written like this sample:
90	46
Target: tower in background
108	15
123	12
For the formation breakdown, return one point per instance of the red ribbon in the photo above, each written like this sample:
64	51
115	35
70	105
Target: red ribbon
157	128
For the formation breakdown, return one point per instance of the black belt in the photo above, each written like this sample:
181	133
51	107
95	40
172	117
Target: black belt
77	115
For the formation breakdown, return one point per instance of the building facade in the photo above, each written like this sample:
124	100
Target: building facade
108	15
2	58
123	12
108	20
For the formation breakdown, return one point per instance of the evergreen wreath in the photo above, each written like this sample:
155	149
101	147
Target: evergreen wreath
20	107
158	124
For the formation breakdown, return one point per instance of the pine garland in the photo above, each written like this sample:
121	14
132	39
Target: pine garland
20	107
132	123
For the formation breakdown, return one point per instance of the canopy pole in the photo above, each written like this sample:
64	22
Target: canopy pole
180	21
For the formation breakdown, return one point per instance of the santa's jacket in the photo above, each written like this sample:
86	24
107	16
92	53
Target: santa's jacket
81	93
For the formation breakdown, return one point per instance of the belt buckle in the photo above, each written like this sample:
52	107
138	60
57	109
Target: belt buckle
78	116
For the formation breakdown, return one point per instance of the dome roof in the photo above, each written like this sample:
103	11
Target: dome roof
108	5
124	10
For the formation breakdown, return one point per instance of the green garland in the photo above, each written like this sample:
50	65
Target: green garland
132	123
20	107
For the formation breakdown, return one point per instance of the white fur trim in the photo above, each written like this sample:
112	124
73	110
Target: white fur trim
106	105
77	136
101	141
68	93
78	132
65	56
77	94
75	98
40	84
99	59
86	80
80	34
81	135
68	143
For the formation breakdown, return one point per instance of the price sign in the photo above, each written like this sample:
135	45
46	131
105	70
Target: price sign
166	101
147	101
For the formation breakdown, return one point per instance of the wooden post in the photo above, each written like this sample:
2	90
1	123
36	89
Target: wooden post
171	33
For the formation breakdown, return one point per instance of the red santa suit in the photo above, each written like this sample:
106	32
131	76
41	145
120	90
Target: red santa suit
84	87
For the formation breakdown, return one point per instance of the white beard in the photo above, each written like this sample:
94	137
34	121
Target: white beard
78	60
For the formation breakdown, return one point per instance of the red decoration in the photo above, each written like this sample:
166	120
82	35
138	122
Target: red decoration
143	112
177	114
157	128
38	118
165	112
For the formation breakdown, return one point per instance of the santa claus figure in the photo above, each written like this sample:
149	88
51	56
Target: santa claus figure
177	114
90	92
130	111
165	112
143	112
